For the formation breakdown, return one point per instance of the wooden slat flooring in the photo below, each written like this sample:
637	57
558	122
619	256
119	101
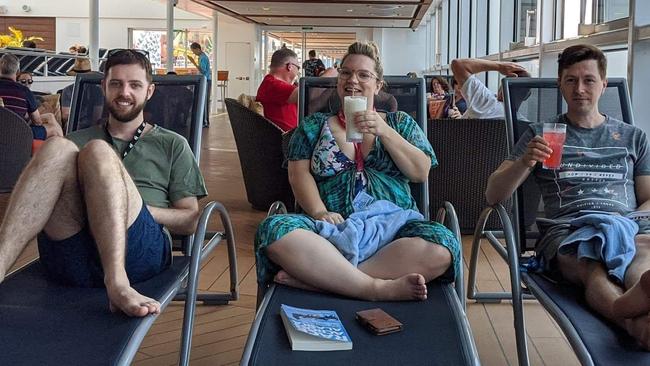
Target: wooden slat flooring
220	331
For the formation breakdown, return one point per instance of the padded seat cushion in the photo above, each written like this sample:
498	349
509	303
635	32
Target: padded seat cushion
43	322
607	344
432	333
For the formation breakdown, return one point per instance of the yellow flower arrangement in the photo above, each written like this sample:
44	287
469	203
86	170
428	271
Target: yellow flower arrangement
15	39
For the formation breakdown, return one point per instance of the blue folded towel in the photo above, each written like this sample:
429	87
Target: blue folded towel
603	237
371	226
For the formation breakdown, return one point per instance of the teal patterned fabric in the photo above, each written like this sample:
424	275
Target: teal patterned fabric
384	182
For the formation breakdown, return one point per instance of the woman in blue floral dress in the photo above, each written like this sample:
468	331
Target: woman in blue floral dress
327	173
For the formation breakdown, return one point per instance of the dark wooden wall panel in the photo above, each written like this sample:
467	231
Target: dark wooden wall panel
44	27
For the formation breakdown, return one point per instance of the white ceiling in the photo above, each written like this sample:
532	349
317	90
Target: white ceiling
329	13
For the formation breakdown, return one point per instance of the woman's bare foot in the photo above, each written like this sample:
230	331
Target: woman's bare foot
282	277
635	301
409	287
131	302
639	328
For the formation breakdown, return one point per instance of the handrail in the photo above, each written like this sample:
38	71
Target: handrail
47	54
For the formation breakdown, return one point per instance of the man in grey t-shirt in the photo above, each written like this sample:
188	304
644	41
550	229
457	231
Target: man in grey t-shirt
605	167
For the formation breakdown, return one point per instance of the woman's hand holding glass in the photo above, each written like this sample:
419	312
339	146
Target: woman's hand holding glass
371	122
331	217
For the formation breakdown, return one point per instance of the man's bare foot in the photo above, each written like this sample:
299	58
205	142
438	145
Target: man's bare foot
131	302
635	301
282	277
639	328
409	287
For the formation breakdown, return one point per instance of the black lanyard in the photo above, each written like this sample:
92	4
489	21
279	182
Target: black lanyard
133	141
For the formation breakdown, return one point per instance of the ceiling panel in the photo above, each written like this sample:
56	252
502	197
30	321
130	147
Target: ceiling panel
329	13
335	22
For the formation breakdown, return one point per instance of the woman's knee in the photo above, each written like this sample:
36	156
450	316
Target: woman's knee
440	258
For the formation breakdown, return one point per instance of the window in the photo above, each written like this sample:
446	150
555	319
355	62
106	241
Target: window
155	42
527	22
608	10
571	18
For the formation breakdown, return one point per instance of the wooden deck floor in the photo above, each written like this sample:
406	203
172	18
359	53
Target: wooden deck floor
220	331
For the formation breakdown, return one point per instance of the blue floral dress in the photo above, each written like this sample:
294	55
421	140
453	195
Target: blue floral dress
339	181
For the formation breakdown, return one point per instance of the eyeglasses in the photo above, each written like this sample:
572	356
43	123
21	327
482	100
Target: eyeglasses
26	81
362	75
291	63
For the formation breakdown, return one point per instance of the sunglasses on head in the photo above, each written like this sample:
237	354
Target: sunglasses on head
26	81
136	52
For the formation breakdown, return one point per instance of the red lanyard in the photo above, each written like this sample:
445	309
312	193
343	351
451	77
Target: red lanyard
358	155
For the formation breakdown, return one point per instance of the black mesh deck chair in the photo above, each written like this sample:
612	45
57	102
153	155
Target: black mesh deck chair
15	148
259	146
46	323
436	330
468	151
594	340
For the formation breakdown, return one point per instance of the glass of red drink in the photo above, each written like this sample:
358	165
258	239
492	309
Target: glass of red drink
554	134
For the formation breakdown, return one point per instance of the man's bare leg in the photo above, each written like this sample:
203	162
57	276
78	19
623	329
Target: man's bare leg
600	292
636	301
39	190
112	204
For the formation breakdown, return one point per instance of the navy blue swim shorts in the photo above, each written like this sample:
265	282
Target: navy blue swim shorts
38	132
75	261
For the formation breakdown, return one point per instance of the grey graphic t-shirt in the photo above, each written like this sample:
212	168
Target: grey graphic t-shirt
597	170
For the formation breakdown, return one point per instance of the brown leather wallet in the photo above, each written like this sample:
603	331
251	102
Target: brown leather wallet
378	321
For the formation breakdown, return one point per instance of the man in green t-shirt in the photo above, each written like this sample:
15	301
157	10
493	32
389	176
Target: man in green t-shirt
87	197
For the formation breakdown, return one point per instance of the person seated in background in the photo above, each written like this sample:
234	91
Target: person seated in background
20	100
330	177
481	101
81	63
277	93
102	201
47	103
313	66
458	102
439	88
440	100
604	173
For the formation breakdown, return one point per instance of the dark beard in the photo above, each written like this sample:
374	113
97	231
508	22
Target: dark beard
125	117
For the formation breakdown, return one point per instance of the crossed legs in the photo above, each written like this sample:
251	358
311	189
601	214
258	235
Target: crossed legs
398	271
59	190
627	306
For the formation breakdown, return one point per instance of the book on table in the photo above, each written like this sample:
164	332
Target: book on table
314	330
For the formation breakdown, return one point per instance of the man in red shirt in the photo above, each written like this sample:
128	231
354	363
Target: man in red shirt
278	95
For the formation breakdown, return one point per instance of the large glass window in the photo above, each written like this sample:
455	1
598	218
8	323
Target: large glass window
155	42
607	10
571	18
493	20
527	21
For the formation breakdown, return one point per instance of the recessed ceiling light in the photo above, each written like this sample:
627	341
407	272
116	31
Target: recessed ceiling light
266	8
350	10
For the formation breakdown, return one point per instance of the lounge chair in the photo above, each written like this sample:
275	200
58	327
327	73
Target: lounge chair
259	146
15	148
436	330
594	340
46	323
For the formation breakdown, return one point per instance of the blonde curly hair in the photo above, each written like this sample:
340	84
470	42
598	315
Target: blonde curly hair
370	50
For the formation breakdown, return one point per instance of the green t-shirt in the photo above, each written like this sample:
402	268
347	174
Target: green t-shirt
161	164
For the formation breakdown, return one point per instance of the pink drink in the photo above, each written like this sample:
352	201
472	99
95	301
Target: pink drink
555	140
